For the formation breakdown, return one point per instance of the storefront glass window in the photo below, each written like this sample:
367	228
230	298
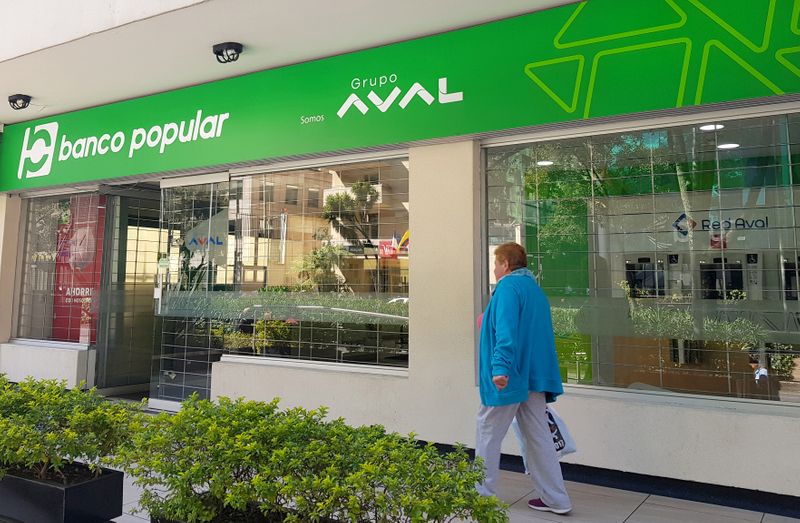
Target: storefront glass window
670	256
308	264
63	251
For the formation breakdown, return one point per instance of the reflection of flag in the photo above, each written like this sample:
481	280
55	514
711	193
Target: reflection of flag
395	245
386	249
404	241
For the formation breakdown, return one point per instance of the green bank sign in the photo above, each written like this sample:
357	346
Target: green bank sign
584	60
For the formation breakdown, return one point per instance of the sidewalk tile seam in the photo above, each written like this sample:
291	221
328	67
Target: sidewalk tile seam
637	508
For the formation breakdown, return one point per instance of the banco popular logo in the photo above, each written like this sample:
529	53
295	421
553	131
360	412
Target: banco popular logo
38	150
43	145
684	224
417	90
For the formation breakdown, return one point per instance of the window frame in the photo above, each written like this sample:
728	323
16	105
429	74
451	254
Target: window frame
608	126
319	163
19	269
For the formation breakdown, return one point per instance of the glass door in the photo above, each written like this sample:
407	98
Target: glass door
194	270
126	319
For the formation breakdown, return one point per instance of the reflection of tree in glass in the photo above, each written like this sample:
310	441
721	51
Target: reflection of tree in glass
191	277
45	217
564	321
560	194
319	269
782	359
740	333
349	212
671	318
662	318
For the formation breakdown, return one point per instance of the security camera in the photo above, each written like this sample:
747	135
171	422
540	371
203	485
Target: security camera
19	101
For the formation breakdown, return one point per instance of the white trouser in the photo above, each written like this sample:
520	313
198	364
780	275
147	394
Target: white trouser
521	440
541	458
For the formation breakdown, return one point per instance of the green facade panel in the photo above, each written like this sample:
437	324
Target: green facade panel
584	60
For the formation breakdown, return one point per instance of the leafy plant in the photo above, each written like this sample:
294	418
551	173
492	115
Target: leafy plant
317	269
668	318
191	278
265	335
44	427
199	464
782	359
348	211
740	333
564	320
239	460
330	471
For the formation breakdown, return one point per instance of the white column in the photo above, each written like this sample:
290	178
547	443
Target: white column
9	244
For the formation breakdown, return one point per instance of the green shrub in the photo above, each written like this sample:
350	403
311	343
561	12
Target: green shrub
197	464
370	476
336	472
44	427
241	460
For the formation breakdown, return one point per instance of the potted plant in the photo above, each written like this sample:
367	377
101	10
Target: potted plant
52	444
247	461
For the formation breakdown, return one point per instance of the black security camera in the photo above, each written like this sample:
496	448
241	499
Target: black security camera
19	101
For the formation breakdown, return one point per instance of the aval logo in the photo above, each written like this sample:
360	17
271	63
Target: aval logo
684	224
383	104
38	149
205	240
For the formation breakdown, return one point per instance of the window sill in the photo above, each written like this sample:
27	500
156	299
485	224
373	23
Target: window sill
48	344
675	399
347	368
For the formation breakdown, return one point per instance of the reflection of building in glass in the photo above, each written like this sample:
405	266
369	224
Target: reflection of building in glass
678	254
284	264
285	217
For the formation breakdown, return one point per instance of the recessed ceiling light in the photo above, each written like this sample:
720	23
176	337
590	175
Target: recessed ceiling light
728	146
712	127
544	163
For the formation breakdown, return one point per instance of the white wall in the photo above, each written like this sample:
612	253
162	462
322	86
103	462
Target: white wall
71	362
751	445
727	442
32	25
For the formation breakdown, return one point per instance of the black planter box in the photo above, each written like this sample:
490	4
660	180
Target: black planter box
93	501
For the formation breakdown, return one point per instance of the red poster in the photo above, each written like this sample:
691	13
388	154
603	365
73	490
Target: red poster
76	292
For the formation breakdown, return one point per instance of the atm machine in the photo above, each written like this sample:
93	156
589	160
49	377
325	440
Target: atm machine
721	274
645	276
721	277
716	275
789	278
653	276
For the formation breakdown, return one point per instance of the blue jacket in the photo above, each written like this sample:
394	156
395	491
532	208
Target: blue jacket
517	341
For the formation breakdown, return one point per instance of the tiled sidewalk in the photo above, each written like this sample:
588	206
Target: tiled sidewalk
591	504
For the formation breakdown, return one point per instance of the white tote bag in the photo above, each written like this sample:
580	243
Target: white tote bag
562	438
